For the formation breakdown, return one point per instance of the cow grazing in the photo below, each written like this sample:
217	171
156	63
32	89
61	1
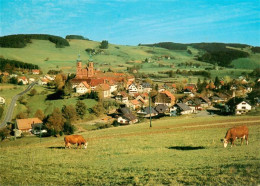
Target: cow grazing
234	133
75	139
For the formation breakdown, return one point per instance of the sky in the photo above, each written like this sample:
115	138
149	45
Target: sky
131	22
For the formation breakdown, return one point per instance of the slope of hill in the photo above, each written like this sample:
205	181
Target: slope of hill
173	152
118	57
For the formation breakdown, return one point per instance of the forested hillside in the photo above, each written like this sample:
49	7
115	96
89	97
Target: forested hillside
21	40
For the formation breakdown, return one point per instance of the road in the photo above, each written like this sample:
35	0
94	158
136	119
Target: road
10	110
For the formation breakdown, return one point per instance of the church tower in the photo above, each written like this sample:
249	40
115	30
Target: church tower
90	69
79	68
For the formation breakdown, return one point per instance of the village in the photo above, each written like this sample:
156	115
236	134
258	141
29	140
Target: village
138	99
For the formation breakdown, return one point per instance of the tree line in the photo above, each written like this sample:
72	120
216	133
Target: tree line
76	37
10	65
168	45
21	40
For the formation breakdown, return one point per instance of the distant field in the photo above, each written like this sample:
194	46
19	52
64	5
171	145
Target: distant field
247	63
175	151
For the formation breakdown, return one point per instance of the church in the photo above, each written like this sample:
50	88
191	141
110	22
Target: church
84	73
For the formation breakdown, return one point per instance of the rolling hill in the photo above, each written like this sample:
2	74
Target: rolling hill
120	57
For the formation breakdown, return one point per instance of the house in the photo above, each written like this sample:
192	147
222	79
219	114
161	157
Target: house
144	87
127	118
113	86
205	102
165	98
31	80
134	104
4	73
238	106
95	82
144	98
26	125
190	88
147	111
83	88
161	109
122	96
43	81
193	103
35	71
182	108
103	90
23	79
51	78
132	89
2	100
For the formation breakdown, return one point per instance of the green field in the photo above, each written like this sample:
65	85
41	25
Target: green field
175	151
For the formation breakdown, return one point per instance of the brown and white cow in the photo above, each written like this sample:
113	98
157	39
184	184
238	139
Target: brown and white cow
75	139
234	133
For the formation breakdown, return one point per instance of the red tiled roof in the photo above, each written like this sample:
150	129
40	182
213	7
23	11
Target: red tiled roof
23	78
168	94
103	87
26	124
85	84
135	102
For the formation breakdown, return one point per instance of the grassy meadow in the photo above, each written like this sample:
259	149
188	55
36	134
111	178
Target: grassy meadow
183	151
47	106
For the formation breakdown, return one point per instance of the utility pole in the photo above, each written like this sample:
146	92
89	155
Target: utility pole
150	110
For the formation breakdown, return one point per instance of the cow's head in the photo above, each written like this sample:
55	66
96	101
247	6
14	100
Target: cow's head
225	142
85	145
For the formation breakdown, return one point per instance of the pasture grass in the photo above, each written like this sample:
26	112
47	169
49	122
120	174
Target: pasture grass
47	106
137	155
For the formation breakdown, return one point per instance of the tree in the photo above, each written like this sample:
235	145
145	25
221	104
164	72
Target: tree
13	80
39	114
67	89
69	113
59	81
104	44
33	92
98	109
55	121
4	132
68	128
217	82
81	109
22	115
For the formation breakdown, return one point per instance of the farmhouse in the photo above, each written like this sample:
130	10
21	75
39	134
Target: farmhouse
35	71
238	106
26	125
147	111
2	100
165	98
127	118
182	108
132	89
104	90
122	96
23	79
